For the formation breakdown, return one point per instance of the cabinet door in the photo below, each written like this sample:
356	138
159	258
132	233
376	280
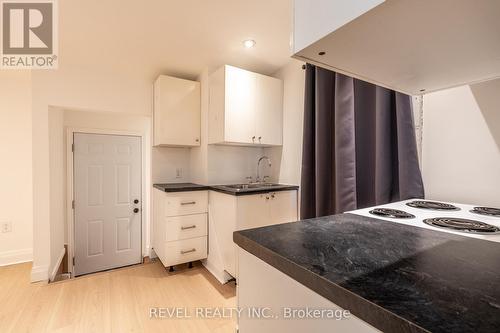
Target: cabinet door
216	105
239	114
269	110
283	207
253	211
176	112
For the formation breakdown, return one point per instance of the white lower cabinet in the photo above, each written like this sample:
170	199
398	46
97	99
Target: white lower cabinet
229	213
180	226
261	286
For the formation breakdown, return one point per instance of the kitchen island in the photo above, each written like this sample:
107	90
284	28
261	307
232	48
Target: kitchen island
391	277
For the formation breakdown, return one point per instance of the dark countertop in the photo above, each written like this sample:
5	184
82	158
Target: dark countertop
396	277
185	187
181	187
248	191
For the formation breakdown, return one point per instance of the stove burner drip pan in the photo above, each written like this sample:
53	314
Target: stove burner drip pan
432	205
393	213
463	225
488	211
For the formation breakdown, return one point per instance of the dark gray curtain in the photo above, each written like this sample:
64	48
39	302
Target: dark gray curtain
359	145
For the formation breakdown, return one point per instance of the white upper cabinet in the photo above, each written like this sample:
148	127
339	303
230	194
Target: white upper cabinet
410	46
176	113
245	108
269	111
240	107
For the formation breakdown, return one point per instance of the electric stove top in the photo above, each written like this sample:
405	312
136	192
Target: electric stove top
466	220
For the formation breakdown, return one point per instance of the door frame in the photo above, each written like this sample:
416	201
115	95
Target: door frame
70	216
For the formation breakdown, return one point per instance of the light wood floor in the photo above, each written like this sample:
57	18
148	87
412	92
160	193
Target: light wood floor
114	301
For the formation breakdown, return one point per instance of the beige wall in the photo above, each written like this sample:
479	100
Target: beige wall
461	144
57	160
16	203
198	159
287	160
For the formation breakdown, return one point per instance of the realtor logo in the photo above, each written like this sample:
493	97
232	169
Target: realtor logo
29	34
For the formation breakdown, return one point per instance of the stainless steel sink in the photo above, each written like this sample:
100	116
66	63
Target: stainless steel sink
251	186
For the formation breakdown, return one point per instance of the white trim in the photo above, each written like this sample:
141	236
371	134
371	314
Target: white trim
150	253
70	131
15	257
222	276
39	273
58	264
69	196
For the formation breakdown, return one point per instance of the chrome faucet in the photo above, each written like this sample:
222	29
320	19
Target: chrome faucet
258	167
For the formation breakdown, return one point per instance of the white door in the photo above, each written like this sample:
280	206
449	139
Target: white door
107	194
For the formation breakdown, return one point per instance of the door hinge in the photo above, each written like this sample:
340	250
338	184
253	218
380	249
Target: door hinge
73	204
73	261
73	147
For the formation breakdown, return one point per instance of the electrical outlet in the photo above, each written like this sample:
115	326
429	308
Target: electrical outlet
178	173
6	226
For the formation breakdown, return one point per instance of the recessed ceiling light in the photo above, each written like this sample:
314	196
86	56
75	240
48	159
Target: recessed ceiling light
249	43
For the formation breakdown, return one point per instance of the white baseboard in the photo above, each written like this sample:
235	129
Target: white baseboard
15	257
221	276
58	263
39	273
152	254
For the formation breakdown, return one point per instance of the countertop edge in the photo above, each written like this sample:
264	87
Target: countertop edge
259	191
365	310
180	189
216	188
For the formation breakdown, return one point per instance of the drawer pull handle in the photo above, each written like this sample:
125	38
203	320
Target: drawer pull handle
190	227
188	203
188	251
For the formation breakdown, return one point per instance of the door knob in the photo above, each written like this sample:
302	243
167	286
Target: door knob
136	210
136	201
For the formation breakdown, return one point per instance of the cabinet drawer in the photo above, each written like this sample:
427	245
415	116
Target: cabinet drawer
188	226
185	250
185	203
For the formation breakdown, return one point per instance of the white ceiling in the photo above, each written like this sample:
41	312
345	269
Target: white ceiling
173	37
